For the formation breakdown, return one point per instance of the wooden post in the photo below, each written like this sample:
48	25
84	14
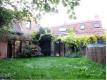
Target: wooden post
64	49
13	49
20	46
29	42
59	49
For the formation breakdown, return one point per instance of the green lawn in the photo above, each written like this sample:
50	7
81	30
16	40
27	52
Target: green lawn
51	68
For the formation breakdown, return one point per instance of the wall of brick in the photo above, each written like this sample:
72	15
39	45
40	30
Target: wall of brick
3	49
89	28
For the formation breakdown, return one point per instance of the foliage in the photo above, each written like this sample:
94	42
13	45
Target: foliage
27	52
45	44
92	39
47	30
41	30
52	68
40	7
46	37
22	15
84	39
101	37
35	37
6	16
29	8
77	42
43	39
4	31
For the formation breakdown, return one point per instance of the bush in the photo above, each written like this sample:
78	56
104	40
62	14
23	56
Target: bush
35	38
26	52
76	43
45	44
92	39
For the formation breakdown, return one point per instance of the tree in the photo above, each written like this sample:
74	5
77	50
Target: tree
6	16
25	9
47	30
45	44
41	30
36	38
40	7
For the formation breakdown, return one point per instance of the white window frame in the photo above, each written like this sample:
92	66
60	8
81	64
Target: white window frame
96	24
82	26
62	29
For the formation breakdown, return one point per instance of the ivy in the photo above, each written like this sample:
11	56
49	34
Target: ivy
6	16
82	40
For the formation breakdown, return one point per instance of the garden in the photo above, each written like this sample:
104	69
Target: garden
51	68
45	55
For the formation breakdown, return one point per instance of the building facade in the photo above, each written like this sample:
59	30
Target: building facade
80	28
21	36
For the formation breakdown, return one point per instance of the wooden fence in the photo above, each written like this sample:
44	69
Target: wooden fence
97	54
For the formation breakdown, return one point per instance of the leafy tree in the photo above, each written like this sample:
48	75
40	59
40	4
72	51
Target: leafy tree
47	30
25	9
45	44
6	16
41	30
40	7
35	38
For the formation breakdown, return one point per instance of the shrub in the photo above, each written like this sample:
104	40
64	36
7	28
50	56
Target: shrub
26	52
35	38
76	43
92	39
45	44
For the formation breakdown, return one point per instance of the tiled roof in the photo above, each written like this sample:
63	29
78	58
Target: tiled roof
88	27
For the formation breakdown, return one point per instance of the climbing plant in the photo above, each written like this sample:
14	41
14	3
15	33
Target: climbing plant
79	41
6	16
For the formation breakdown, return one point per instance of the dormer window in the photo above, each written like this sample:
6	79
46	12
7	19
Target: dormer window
62	29
82	26
96	24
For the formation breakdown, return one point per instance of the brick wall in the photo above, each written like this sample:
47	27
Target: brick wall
3	49
89	28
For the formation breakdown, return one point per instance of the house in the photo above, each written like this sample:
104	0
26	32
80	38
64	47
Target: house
80	28
20	36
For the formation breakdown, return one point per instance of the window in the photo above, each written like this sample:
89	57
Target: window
82	26
62	29
96	24
27	24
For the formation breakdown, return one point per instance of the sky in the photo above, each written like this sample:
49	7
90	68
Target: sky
87	10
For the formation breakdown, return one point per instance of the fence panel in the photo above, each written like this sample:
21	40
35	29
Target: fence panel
97	54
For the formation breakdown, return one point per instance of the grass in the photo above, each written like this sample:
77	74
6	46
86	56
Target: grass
51	68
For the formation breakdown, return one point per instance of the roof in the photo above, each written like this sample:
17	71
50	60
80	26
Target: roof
89	27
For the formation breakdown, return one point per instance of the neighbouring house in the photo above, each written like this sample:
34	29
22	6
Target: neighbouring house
80	28
20	36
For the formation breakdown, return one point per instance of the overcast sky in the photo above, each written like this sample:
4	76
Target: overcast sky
87	10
